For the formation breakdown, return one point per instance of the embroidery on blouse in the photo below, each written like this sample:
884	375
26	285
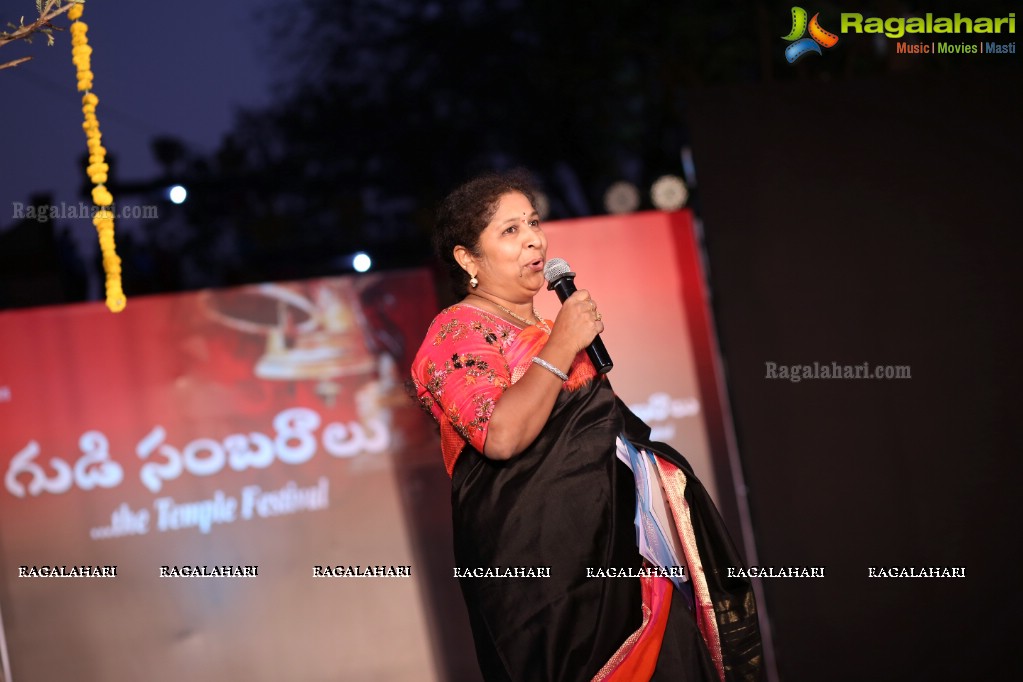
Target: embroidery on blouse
473	368
483	350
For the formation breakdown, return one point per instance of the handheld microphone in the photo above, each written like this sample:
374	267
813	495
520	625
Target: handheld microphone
561	279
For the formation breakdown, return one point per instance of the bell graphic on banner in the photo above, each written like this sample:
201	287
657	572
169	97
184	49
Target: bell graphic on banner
310	338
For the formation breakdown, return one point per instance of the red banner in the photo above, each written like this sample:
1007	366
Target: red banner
244	433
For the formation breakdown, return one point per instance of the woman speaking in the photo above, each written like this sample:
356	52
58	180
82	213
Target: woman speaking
549	469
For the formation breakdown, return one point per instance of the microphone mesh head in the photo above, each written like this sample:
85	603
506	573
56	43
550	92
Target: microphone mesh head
555	269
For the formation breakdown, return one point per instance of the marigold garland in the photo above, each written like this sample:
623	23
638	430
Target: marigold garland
98	168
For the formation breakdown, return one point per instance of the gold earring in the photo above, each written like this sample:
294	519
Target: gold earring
473	282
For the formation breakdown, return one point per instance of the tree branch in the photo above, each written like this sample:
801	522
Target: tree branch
44	21
14	62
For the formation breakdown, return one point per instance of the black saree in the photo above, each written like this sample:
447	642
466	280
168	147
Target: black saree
567	503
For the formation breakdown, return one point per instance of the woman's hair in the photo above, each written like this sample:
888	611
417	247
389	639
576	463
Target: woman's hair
465	213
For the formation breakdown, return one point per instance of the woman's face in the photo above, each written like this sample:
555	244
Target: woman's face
513	251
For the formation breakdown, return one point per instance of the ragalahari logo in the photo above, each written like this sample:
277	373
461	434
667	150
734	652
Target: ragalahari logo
818	36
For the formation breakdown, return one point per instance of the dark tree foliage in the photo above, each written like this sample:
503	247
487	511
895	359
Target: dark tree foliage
382	106
385	106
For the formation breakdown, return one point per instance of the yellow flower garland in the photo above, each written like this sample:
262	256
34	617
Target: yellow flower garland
98	168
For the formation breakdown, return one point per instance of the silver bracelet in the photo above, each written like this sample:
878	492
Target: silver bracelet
550	368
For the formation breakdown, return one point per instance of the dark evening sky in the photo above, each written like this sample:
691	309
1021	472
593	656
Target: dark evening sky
180	69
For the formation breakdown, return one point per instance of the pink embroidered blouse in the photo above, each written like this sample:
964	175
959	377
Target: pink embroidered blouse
467	360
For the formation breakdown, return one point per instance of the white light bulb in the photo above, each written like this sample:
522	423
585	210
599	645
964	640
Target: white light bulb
361	262
669	193
178	194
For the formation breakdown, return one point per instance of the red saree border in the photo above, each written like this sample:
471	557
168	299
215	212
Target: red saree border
636	658
674	482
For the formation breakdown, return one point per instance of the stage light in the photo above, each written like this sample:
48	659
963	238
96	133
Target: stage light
669	193
177	194
621	197
361	262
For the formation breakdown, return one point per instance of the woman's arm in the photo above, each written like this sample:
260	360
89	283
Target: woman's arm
523	409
